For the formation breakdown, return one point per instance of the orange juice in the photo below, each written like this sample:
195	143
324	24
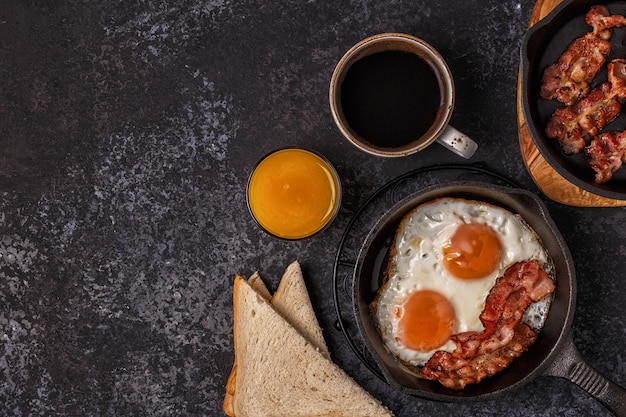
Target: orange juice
293	193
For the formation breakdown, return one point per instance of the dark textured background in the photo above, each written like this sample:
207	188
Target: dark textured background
127	133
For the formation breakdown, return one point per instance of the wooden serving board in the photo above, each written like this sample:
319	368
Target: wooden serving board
551	183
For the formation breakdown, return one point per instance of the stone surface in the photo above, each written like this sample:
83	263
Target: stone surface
127	134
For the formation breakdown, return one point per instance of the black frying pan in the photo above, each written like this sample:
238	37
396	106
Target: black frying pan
553	353
543	45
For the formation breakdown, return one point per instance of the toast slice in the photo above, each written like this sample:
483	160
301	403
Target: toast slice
292	301
280	373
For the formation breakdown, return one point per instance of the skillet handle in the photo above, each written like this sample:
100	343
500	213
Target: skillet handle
571	365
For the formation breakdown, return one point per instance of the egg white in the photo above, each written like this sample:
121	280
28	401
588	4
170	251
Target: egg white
418	265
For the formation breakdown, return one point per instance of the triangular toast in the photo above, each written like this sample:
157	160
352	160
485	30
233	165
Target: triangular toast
292	301
280	373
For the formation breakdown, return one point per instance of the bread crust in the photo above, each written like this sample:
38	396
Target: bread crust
259	286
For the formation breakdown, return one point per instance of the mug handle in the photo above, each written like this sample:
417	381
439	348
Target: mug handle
457	142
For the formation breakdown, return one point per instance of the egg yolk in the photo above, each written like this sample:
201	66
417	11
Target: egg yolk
426	320
473	252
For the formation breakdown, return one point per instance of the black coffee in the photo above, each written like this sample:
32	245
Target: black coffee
390	98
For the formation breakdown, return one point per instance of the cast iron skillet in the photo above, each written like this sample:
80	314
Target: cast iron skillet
553	353
542	46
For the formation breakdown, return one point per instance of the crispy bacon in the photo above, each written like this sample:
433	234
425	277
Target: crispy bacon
505	337
455	373
569	78
573	126
606	153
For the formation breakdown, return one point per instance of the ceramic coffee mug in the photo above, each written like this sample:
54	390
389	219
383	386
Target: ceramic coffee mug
392	94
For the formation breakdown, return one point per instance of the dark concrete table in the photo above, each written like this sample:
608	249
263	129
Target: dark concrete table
127	134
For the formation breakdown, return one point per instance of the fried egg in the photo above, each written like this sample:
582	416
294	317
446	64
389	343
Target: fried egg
447	255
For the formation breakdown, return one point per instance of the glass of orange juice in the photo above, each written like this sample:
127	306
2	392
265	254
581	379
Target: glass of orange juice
294	193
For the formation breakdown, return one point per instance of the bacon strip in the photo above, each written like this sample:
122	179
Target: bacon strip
479	355
575	125
568	79
455	373
606	154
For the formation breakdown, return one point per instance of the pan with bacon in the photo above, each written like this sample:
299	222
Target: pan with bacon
507	354
573	77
